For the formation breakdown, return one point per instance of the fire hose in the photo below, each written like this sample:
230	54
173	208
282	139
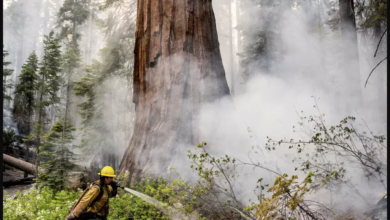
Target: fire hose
170	211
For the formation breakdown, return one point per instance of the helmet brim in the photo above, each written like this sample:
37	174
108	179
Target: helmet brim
107	175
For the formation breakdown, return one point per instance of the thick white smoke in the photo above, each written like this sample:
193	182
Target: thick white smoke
308	72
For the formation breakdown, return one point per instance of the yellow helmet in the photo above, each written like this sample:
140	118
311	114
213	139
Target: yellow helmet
107	171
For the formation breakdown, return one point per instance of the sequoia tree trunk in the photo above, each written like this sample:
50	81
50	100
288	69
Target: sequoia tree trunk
177	68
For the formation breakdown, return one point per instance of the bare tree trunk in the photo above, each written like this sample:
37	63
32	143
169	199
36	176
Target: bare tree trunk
46	18
351	53
380	72
19	60
40	129
231	42
19	164
177	68
238	29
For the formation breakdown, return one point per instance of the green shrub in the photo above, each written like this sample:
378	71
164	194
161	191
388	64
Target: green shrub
39	205
45	205
126	205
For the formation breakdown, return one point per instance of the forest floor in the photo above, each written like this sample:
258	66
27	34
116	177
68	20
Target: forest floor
11	173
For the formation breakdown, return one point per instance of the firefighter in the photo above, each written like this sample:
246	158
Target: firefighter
93	204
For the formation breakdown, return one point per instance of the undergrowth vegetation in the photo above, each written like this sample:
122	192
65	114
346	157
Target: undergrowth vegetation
42	204
215	195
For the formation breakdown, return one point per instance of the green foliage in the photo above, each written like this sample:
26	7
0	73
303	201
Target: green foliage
92	109
96	74
46	204
75	12
217	178
8	138
340	141
286	200
39	204
127	205
375	13
49	83
24	101
259	44
6	72
71	58
114	60
57	155
84	88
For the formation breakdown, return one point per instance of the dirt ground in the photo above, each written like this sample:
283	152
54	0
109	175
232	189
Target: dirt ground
14	174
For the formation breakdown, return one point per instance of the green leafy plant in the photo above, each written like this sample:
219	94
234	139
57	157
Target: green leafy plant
39	204
342	141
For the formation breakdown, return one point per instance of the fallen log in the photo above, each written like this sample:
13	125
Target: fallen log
19	164
24	181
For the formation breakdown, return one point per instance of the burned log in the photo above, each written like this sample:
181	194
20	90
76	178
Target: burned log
19	164
24	181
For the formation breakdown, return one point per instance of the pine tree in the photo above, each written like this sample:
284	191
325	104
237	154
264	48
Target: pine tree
116	62
24	101
48	86
58	159
75	12
6	72
91	110
259	44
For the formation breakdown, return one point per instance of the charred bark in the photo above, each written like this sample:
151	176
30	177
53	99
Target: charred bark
24	181
177	68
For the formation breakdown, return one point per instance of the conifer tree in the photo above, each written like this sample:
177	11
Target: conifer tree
48	85
115	61
75	12
24	101
6	72
259	44
58	159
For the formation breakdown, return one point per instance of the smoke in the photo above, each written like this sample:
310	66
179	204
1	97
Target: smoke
110	131
305	72
304	62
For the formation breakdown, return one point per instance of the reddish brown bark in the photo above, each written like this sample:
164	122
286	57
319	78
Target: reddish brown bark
177	69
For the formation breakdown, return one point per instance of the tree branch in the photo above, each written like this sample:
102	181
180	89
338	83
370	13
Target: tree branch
377	47
373	71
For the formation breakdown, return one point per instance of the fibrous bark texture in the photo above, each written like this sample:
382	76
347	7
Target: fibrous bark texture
177	69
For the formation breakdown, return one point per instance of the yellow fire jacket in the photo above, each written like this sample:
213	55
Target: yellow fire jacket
100	207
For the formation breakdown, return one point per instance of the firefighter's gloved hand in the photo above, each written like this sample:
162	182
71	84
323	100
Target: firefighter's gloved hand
70	217
115	185
120	185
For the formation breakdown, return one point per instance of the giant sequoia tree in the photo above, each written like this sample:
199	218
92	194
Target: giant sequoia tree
177	69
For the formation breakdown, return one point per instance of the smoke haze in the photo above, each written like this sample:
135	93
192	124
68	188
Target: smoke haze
304	70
